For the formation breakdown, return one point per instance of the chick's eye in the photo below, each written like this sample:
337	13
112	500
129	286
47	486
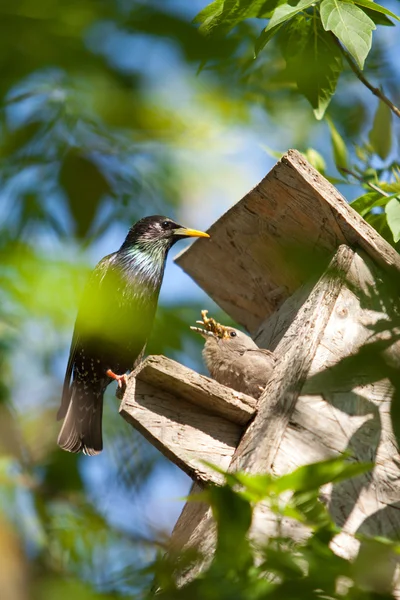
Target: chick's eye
233	334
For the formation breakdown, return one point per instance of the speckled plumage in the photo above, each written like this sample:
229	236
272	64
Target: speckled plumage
235	360
113	324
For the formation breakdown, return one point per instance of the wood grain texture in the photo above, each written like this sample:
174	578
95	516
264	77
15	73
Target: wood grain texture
272	241
261	440
187	416
171	376
345	406
183	432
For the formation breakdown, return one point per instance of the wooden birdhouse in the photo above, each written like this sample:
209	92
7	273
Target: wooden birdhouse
297	267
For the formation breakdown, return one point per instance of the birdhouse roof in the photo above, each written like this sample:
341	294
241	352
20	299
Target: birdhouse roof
269	243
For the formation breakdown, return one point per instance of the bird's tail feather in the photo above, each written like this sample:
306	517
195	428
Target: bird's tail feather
81	430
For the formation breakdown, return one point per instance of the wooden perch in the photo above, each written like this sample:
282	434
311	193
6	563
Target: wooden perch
248	265
187	416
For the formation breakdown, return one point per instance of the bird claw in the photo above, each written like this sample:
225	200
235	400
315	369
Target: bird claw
120	379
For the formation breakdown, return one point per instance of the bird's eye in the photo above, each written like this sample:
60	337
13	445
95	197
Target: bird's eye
166	224
233	334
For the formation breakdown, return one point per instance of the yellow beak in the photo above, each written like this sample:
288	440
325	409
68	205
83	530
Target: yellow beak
190	232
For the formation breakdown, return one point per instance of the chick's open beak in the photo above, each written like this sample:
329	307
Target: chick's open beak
183	232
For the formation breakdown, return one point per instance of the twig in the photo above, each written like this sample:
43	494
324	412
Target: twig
368	183
359	74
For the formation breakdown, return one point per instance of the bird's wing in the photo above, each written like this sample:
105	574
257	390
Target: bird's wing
88	302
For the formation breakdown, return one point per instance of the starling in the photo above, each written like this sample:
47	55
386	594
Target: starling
112	327
233	359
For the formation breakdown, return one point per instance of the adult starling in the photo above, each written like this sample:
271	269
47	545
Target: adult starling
113	323
233	359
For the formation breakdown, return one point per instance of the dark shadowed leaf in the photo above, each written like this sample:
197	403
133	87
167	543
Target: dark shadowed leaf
233	515
85	186
380	136
375	7
313	60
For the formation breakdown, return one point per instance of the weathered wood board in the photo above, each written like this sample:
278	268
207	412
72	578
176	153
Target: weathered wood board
272	241
314	408
266	265
188	417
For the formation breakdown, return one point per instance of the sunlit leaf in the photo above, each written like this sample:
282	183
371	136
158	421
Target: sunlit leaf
351	25
363	204
375	7
311	477
286	11
338	146
221	16
283	13
392	210
315	159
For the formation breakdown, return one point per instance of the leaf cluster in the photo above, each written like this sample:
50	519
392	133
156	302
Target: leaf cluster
277	566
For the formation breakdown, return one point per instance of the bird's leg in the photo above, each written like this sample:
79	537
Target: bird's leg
121	379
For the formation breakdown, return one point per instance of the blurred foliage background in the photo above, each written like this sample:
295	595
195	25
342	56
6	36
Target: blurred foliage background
111	110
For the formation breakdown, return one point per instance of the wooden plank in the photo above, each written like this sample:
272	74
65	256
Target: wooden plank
261	440
336	411
183	432
188	417
343	410
170	376
249	265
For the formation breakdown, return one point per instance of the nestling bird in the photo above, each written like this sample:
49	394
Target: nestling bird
233	359
113	323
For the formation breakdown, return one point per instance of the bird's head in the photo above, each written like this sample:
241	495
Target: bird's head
226	338
158	231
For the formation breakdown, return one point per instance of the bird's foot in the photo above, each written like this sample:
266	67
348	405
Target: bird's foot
120	379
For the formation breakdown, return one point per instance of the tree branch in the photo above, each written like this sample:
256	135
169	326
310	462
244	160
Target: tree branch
359	74
368	183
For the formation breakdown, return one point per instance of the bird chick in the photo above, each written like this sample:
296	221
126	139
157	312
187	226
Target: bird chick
233	359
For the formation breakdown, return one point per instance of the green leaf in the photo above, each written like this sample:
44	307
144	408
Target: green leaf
311	477
233	515
313	60
281	14
286	11
376	8
257	487
392	210
271	152
219	17
378	18
264	37
363	204
315	159
380	136
351	25
338	146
